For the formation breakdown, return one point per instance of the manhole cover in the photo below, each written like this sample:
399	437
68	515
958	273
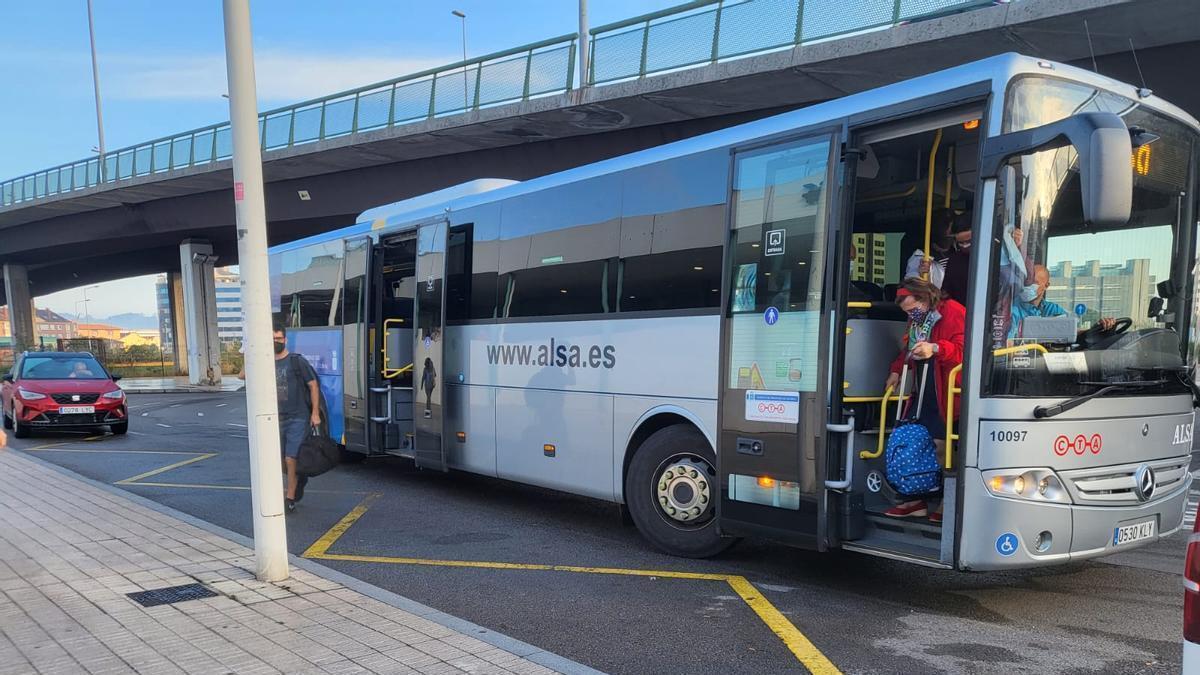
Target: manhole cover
171	595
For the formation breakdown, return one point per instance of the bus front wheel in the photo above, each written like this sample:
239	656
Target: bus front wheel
671	491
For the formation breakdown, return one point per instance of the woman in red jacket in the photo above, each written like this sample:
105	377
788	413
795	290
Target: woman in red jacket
935	331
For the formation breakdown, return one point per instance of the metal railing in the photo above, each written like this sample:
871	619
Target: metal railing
689	35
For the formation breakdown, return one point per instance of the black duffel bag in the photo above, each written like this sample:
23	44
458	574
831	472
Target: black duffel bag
318	454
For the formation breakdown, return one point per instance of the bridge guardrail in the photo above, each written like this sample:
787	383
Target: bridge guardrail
688	35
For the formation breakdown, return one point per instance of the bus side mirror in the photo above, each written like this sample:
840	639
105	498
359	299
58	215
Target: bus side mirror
1103	144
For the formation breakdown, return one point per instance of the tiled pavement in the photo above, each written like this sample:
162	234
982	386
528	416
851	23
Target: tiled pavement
70	551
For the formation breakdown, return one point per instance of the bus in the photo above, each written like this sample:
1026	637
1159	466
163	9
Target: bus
701	331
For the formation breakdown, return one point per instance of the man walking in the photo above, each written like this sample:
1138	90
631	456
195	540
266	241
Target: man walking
299	396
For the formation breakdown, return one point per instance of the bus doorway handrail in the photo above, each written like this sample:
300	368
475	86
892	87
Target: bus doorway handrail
389	373
952	390
883	403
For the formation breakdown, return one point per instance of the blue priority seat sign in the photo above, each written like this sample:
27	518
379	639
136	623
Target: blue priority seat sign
1006	544
771	316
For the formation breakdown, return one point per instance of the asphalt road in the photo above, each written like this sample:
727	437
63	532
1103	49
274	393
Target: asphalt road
866	615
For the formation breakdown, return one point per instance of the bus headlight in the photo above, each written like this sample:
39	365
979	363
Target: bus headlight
1039	485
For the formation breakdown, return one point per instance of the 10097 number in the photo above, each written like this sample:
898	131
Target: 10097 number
1007	436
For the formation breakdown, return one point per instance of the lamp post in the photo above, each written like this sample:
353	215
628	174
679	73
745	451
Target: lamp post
96	86
462	15
87	313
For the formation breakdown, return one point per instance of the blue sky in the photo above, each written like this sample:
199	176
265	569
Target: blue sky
162	70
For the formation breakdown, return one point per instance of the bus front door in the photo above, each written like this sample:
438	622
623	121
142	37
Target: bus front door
772	414
428	347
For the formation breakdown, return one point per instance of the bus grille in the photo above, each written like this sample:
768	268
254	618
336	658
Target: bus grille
1114	485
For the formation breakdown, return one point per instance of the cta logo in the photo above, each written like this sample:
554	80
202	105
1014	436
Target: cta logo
1079	445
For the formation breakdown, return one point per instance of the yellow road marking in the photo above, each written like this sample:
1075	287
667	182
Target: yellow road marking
320	546
805	650
57	448
800	646
183	485
169	467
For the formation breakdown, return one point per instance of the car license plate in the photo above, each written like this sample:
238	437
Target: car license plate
1127	534
77	409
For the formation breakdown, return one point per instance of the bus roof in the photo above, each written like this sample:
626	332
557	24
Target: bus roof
1002	67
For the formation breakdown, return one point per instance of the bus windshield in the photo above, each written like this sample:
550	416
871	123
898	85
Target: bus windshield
1071	307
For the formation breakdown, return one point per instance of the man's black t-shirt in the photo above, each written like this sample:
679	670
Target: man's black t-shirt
292	375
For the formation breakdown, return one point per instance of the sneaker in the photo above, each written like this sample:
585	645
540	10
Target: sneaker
300	483
910	510
936	517
289	505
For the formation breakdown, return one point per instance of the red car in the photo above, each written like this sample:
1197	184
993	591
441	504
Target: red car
61	390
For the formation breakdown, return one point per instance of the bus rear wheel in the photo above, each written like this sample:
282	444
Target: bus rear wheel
671	492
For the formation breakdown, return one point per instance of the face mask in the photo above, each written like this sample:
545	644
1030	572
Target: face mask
279	347
917	315
962	246
1029	293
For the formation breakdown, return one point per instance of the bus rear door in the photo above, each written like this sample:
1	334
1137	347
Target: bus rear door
428	347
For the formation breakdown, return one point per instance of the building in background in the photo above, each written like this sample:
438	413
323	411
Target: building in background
229	307
49	328
1110	290
140	338
101	331
166	323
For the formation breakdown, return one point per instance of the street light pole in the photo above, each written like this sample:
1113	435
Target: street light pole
463	16
96	86
583	44
87	313
266	489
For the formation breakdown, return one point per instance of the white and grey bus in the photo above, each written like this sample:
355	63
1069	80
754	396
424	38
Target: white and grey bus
702	331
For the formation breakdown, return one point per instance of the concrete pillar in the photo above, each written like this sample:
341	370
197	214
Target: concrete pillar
20	307
179	334
196	261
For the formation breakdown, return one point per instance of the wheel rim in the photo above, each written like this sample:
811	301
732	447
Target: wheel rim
683	491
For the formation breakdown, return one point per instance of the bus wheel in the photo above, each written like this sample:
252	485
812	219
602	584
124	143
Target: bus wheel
671	492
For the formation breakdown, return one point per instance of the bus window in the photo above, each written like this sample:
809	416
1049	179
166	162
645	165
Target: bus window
1110	300
311	282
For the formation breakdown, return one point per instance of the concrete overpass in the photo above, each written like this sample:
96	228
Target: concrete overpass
135	225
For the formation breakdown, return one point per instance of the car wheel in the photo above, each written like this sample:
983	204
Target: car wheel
19	430
671	492
119	429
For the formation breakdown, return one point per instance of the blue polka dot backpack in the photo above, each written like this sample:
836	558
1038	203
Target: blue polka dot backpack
911	465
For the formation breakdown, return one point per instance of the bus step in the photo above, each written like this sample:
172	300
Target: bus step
917	526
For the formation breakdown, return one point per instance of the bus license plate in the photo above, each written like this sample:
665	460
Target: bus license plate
1127	534
77	410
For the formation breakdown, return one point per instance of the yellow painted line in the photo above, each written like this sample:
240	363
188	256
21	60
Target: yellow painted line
320	546
59	448
169	467
802	647
183	485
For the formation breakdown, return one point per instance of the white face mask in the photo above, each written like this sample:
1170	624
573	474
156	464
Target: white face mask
1029	293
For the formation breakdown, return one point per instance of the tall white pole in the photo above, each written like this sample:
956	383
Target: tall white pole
462	15
583	44
266	488
96	86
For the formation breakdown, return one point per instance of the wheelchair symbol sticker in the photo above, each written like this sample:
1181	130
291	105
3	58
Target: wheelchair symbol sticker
1006	544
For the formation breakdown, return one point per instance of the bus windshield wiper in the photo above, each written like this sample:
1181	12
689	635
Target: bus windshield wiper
1043	411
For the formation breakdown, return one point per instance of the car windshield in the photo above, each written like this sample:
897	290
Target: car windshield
60	367
1073	306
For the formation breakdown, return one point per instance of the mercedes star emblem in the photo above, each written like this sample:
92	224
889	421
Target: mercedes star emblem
1143	483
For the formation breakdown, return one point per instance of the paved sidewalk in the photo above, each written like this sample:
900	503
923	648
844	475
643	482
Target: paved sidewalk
71	549
176	385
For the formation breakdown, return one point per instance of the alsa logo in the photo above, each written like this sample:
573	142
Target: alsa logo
1183	434
1079	445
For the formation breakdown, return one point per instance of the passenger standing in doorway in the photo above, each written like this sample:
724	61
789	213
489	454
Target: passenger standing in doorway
935	333
954	282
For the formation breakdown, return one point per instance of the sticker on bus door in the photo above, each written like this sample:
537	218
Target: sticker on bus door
773	406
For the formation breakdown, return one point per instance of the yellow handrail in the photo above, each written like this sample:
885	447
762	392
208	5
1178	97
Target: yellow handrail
951	392
1016	349
887	396
937	140
389	373
859	305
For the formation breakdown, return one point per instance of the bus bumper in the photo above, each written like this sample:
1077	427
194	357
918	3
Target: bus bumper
1001	533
